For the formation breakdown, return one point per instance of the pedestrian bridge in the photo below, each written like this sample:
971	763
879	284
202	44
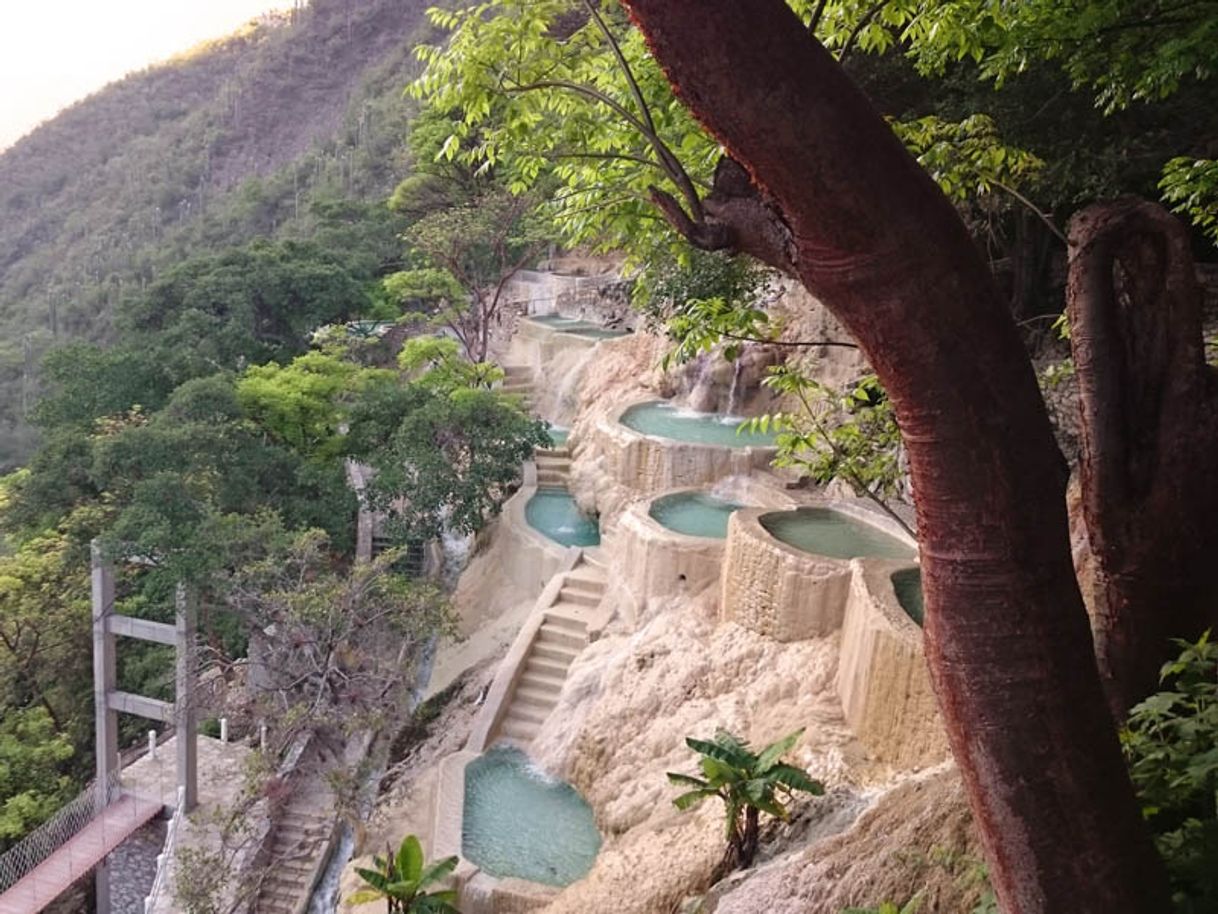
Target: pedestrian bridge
69	847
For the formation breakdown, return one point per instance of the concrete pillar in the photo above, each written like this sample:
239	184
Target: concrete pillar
105	721
105	679
185	713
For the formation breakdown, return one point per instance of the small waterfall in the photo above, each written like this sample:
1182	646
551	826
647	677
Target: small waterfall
734	391
456	548
567	401
324	899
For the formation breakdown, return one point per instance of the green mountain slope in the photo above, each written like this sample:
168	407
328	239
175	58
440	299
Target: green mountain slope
253	135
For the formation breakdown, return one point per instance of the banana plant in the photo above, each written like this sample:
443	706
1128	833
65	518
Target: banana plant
400	880
748	783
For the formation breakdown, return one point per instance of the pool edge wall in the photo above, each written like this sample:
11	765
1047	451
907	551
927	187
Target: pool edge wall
776	589
882	678
650	465
656	562
478	892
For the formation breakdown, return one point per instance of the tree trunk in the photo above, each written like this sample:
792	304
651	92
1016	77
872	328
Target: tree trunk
1149	433
869	233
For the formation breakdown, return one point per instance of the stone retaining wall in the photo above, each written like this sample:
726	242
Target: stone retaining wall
657	562
648	465
882	678
778	590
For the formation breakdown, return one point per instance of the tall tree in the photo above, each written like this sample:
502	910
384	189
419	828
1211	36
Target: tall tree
824	190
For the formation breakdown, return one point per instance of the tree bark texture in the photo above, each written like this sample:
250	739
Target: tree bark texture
1149	435
1007	639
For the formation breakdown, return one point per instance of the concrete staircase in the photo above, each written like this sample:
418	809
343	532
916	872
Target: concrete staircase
301	837
518	381
553	467
563	633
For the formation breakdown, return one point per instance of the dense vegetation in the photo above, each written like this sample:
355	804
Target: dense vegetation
294	128
209	388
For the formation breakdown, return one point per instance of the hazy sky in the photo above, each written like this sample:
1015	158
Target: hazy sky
55	52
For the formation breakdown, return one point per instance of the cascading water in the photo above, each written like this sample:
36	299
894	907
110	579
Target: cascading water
456	548
734	391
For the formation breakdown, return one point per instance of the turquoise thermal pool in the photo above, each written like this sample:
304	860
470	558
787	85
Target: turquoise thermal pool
693	513
554	513
823	531
664	420
558	435
520	823
577	326
907	584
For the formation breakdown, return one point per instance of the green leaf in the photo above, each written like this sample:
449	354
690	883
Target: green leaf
410	858
692	798
773	752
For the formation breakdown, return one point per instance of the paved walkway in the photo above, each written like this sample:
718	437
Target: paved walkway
77	858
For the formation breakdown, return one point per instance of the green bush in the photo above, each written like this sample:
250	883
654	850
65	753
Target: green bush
1171	745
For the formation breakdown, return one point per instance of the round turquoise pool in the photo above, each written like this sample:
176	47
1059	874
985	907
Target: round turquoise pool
555	513
520	823
823	531
693	513
664	420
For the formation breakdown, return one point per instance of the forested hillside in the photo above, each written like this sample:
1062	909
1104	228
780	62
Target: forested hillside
274	131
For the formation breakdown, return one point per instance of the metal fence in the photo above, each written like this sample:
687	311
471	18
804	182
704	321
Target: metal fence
52	834
165	860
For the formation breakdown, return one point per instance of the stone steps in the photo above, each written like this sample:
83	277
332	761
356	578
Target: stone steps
563	633
300	838
561	636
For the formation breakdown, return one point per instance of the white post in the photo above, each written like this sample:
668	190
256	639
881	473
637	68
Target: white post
224	729
262	736
152	743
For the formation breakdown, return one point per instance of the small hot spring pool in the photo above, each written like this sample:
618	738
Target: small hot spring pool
519	822
823	531
558	435
694	513
555	513
907	583
664	420
576	326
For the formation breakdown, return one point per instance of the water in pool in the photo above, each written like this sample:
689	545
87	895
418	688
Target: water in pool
908	586
519	822
554	513
664	420
577	326
823	531
694	513
558	435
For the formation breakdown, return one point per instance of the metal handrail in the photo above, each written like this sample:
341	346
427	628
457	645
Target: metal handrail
164	860
19	860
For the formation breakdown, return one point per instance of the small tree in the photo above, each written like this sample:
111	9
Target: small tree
747	783
400	880
468	252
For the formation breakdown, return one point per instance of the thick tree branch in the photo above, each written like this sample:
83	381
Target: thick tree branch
1149	407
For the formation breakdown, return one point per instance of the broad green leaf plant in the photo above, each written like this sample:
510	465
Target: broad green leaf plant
401	881
749	783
